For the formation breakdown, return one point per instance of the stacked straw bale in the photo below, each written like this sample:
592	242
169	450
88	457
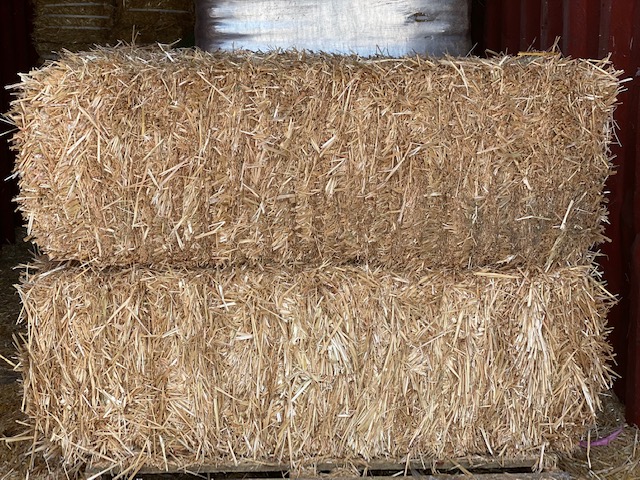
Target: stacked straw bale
78	25
71	24
178	366
290	257
141	156
165	21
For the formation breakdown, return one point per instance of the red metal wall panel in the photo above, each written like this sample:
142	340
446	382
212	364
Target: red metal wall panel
530	17
595	29
632	153
550	22
580	27
510	26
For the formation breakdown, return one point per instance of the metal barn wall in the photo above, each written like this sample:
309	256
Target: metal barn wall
593	29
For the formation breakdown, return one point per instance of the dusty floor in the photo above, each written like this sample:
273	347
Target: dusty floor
618	460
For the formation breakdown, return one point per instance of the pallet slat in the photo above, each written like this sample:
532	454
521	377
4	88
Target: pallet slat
426	469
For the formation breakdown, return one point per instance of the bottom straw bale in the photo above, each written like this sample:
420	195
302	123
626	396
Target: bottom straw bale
191	366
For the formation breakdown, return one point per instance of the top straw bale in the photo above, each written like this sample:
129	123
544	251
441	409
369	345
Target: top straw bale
165	21
153	156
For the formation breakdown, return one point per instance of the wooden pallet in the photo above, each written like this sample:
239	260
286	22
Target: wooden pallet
472	467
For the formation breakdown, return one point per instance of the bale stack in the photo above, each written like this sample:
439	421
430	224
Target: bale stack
71	24
292	257
165	21
78	25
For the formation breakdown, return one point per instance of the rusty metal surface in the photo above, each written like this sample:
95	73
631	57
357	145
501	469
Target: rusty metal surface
364	27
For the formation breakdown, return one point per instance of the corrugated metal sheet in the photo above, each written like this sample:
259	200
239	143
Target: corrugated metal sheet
593	29
17	55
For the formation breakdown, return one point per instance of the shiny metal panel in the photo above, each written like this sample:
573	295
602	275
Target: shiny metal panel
363	27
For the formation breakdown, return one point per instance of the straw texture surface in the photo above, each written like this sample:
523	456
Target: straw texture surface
145	156
218	366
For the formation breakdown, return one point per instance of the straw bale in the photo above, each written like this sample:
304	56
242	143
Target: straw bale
77	25
165	21
73	25
148	155
276	365
74	7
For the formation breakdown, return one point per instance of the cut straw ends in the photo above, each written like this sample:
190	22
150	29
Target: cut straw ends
285	365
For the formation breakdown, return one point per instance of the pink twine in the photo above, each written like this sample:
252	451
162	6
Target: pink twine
600	442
